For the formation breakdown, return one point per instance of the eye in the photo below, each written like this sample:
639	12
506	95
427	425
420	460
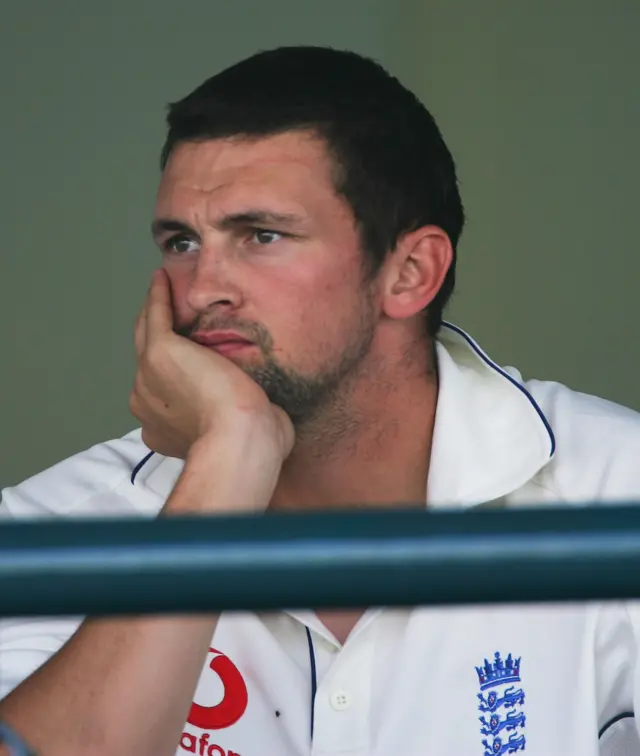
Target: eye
263	236
179	245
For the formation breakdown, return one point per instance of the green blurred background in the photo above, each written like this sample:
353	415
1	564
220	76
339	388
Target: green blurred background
537	100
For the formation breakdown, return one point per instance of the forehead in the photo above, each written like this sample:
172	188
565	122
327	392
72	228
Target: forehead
291	169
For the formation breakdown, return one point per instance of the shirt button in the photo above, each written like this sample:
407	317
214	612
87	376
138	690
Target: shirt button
340	700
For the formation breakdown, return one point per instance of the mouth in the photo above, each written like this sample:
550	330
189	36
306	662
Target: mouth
229	348
225	343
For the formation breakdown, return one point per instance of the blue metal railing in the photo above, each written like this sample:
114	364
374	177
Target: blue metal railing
400	558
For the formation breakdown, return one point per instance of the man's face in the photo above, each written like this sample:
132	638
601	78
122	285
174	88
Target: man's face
256	242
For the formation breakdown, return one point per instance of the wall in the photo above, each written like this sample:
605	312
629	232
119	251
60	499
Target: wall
85	86
539	103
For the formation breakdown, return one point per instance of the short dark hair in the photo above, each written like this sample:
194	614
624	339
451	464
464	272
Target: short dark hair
392	165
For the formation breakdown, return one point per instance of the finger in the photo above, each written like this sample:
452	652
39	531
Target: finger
139	332
159	314
140	328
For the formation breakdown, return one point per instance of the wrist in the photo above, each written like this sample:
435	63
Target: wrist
226	475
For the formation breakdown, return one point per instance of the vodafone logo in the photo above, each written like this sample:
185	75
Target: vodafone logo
227	692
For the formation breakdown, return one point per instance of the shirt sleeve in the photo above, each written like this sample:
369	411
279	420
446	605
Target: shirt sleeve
93	483
26	644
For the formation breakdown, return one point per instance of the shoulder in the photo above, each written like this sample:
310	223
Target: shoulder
93	482
597	444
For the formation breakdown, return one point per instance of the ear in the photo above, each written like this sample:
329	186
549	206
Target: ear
414	272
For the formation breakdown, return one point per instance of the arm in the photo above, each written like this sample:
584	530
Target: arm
123	687
93	696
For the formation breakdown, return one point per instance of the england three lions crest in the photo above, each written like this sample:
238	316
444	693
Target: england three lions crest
501	701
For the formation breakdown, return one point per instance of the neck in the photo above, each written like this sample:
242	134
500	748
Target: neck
370	448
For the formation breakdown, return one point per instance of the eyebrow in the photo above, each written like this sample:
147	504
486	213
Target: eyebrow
161	226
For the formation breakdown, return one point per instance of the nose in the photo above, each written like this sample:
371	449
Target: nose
211	285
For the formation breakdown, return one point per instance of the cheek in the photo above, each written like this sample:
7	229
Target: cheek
303	303
312	320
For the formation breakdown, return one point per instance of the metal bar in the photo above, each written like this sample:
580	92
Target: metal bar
392	558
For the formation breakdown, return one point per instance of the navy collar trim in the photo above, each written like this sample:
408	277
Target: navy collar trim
140	465
504	374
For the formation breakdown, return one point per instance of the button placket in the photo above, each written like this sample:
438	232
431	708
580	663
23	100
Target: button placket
343	700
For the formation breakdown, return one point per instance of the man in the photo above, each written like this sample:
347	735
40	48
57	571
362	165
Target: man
292	356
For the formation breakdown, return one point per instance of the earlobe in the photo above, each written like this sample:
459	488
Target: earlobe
417	269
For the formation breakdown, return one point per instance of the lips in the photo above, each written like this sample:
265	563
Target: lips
226	343
219	338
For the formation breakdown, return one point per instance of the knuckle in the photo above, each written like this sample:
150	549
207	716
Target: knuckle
147	439
153	356
138	384
134	404
157	442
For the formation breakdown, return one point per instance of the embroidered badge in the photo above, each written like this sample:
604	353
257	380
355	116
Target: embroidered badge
503	718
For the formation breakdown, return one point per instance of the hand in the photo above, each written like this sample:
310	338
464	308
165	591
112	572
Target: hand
184	392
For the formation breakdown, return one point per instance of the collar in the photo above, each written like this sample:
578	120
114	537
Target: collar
490	435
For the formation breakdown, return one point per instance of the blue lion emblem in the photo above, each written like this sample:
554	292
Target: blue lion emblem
496	725
497	748
500	702
509	699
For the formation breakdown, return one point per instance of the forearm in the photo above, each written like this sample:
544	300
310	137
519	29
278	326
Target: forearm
123	687
118	687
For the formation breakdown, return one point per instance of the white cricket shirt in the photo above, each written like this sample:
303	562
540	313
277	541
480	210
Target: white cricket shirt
557	680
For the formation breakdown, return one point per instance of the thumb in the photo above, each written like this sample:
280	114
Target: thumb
159	312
